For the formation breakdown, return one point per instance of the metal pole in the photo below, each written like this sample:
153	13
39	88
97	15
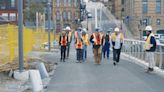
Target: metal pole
95	17
49	23
20	34
100	15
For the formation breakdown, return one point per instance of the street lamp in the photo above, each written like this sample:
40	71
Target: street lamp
89	16
20	34
82	9
49	23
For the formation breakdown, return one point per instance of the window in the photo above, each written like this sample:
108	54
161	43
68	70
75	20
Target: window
75	3
2	4
12	17
12	3
158	6
69	15
123	2
5	15
58	3
65	3
69	3
145	22
58	15
144	6
158	22
64	15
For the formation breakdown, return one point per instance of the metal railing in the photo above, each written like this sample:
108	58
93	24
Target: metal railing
135	48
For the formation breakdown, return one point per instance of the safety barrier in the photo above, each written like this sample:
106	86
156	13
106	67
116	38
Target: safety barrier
32	40
135	48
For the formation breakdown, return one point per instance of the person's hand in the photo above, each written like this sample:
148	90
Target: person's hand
112	47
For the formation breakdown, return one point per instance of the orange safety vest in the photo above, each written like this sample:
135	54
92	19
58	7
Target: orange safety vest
98	39
79	44
63	41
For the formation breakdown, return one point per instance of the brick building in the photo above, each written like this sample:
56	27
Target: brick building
139	13
65	12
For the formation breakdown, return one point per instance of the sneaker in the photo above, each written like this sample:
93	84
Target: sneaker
114	63
151	69
148	70
63	60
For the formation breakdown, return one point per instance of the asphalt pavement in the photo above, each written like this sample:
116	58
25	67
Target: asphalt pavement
88	77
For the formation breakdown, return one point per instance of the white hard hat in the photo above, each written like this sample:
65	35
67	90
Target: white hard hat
148	28
84	29
116	29
67	28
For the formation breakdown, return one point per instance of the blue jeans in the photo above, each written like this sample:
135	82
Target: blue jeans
106	51
84	52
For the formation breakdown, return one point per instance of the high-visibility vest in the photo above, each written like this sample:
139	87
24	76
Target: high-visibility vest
98	39
63	41
85	39
76	34
147	44
69	36
79	44
113	37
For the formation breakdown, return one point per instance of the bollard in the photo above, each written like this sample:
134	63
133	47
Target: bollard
36	81
42	69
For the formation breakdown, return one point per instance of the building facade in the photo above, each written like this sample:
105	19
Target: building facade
8	10
137	14
65	12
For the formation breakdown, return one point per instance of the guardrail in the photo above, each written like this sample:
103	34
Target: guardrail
135	48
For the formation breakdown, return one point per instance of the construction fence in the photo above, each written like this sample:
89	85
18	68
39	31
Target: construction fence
33	39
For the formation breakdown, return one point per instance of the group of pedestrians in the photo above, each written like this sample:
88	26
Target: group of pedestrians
101	45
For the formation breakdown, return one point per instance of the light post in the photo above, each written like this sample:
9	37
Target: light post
49	23
20	35
89	16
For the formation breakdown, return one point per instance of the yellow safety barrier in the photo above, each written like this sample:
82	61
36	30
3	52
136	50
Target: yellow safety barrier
32	39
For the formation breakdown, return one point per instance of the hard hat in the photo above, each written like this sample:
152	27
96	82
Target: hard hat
97	29
84	29
148	28
116	29
67	28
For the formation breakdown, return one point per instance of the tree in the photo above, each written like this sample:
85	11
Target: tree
30	11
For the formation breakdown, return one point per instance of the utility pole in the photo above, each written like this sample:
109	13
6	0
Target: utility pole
20	35
49	23
96	17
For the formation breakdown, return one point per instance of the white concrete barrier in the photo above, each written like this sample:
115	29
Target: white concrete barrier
22	76
42	69
36	81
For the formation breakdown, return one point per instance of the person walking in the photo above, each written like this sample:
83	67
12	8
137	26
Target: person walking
106	45
85	38
63	40
69	34
97	40
117	42
150	48
79	48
